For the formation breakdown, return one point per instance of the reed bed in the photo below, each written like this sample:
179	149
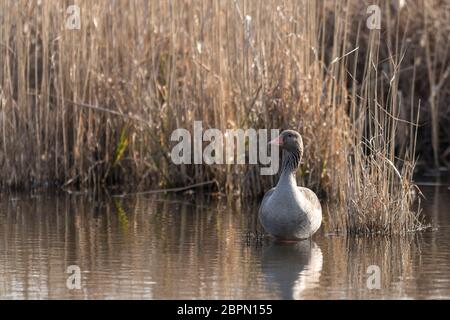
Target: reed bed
96	106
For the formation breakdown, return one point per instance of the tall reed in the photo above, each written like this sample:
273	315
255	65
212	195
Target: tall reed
96	106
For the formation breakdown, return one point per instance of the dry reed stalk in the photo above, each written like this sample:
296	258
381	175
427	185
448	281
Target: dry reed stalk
70	98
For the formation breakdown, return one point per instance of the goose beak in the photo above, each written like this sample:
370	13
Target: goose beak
277	141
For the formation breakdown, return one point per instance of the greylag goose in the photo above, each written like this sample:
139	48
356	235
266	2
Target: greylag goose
289	212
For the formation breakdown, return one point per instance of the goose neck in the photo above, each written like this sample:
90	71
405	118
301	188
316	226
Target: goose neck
289	168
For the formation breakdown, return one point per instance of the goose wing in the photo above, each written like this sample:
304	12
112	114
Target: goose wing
266	198
311	197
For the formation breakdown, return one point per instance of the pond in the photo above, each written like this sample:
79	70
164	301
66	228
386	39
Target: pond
195	247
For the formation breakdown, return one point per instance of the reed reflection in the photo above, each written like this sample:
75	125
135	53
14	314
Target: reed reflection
195	247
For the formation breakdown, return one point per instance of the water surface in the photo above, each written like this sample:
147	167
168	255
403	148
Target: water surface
160	247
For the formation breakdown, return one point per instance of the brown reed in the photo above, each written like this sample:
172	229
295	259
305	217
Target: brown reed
96	106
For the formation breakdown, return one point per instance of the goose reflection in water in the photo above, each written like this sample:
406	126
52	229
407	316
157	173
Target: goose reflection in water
293	268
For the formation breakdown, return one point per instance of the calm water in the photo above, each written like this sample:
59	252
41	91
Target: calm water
170	247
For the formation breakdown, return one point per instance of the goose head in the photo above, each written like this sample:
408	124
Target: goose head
290	141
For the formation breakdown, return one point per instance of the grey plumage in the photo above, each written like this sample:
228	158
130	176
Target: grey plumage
288	211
